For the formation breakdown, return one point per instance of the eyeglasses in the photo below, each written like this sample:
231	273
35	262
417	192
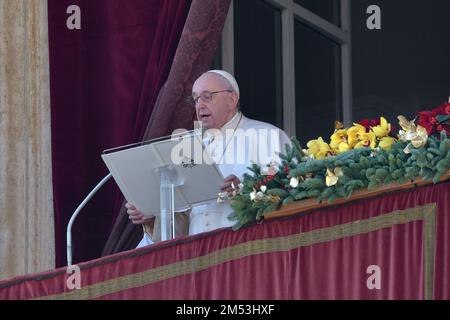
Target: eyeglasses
205	96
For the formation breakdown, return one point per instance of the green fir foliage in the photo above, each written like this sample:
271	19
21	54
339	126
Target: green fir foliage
362	169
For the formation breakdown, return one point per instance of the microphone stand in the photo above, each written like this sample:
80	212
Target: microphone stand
75	214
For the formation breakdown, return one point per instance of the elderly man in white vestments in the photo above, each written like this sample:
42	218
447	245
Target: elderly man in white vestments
232	140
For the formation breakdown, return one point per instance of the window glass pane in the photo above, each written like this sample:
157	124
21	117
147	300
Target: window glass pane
317	84
327	9
257	32
404	67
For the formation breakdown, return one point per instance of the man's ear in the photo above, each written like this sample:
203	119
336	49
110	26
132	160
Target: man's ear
235	99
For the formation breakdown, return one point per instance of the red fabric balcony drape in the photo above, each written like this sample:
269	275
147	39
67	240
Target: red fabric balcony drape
326	253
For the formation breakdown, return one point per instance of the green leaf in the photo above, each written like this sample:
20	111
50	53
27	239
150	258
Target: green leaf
288	200
259	213
370	172
437	177
364	162
270	208
278	192
443	166
301	195
434	151
372	185
314	183
293	173
442	118
326	193
333	197
381	174
313	193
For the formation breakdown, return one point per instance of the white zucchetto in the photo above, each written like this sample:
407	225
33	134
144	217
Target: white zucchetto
231	80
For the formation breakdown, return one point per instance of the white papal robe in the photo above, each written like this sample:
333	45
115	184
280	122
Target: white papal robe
238	144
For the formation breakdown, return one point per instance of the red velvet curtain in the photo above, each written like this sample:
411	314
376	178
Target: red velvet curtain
322	254
104	81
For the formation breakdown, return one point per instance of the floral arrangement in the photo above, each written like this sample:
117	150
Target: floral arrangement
366	155
436	120
364	134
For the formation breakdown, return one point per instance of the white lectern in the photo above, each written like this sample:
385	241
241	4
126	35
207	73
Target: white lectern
165	175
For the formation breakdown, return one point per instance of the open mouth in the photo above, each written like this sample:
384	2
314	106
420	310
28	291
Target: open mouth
205	116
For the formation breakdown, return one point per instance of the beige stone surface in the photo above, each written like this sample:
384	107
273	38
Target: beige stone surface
26	204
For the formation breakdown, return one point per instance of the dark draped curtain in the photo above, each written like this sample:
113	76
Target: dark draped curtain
194	55
104	80
393	246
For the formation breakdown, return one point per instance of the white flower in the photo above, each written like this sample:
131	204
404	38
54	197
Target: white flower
259	196
268	171
263	188
294	182
406	135
252	195
222	196
271	169
274	164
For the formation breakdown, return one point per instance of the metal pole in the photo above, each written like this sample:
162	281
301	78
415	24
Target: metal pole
75	214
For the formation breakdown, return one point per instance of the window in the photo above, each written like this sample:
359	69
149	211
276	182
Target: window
257	62
291	59
327	9
318	95
400	69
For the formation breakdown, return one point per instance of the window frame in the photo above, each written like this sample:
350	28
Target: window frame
289	12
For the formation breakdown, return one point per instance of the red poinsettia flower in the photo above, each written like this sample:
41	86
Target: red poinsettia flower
375	122
366	123
443	110
425	121
440	110
434	121
447	129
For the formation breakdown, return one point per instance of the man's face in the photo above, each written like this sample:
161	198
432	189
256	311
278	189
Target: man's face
222	107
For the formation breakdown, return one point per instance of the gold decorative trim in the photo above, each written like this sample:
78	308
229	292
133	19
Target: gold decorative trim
271	245
429	234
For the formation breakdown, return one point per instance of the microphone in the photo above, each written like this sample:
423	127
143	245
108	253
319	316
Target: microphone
75	214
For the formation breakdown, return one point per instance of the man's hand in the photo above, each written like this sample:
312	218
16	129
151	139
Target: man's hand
136	216
229	182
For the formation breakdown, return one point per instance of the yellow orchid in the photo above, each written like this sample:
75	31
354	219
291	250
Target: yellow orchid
340	136
314	146
366	140
333	176
386	143
343	146
318	148
383	129
354	134
339	147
